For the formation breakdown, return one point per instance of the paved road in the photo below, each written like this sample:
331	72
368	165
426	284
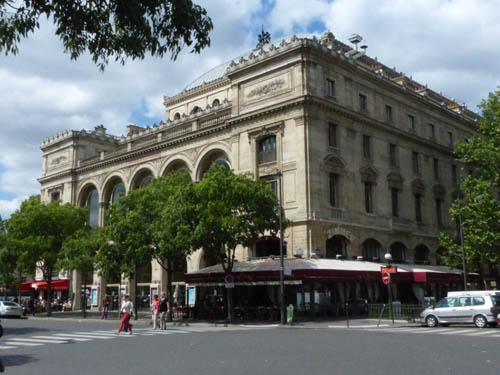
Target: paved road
68	346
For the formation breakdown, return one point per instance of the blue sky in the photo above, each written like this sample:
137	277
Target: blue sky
448	44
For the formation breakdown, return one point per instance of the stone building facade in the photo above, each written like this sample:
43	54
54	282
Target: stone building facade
365	152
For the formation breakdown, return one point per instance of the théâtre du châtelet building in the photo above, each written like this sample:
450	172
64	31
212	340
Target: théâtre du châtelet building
366	155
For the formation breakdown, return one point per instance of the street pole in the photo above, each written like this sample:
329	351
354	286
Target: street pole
388	258
464	261
282	260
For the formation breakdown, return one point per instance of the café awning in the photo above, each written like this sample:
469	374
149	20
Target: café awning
42	285
298	271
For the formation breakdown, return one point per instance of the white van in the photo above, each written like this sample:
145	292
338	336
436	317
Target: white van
480	307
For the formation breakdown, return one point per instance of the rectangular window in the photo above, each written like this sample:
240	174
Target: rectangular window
333	189
363	105
369	197
395	202
367	154
55	196
439	216
450	138
432	131
454	174
436	168
332	135
330	88
411	122
418	208
393	158
388	113
416	163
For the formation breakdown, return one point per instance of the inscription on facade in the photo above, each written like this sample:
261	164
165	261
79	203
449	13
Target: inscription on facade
267	88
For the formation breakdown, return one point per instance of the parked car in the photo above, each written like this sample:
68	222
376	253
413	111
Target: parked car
478	307
8	308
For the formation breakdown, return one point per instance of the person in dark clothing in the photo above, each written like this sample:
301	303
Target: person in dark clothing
164	309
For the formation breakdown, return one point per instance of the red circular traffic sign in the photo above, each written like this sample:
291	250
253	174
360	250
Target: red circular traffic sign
386	277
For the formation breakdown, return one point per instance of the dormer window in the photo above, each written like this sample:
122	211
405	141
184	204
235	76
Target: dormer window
216	103
195	110
177	116
266	150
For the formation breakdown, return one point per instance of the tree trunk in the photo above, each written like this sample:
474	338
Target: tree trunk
49	293
170	294
84	306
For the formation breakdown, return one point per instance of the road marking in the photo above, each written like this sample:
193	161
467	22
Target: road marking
459	331
259	326
43	341
59	338
108	334
479	333
21	343
423	330
6	347
82	336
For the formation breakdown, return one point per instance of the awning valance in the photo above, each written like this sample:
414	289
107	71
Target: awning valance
42	285
266	272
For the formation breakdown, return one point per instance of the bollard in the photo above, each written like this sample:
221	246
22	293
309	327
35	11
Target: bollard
289	314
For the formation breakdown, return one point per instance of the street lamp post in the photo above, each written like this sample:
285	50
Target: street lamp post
282	260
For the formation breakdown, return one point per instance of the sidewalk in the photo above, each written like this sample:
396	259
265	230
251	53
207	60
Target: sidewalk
145	318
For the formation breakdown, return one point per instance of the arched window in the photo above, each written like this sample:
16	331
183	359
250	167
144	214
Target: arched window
93	204
216	103
337	245
266	152
218	157
146	181
398	252
118	191
177	116
195	110
371	249
421	254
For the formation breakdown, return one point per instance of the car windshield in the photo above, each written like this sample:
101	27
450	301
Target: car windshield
9	304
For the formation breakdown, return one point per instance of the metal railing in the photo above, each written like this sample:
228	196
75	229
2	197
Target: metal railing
401	311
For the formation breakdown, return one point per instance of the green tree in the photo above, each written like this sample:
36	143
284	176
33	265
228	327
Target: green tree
78	253
233	209
479	212
8	263
39	231
115	28
154	223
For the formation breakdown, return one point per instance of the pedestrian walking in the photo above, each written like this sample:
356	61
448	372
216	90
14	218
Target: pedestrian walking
127	309
155	307
105	307
164	310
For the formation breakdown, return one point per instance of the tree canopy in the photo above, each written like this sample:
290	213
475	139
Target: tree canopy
118	29
153	223
39	231
479	212
8	263
78	253
233	209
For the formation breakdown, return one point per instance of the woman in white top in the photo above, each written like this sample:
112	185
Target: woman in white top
127	309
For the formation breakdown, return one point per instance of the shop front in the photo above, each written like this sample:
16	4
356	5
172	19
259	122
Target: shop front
316	287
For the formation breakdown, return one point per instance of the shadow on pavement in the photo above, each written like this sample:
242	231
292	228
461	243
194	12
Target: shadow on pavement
17	360
18	331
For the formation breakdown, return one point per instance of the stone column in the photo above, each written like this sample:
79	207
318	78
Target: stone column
76	289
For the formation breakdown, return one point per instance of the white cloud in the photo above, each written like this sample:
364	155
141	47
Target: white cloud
448	44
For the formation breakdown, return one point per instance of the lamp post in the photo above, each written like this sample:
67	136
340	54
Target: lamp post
282	261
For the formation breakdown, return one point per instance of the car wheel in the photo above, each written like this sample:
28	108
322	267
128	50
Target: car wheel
431	321
480	321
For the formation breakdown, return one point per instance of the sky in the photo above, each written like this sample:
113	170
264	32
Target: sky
451	45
